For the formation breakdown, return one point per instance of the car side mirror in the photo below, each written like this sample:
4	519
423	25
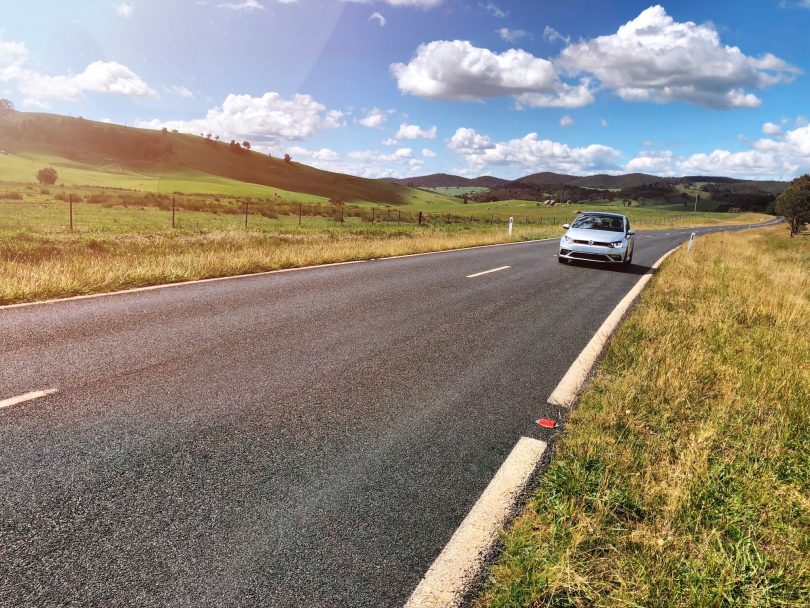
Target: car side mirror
631	232
566	226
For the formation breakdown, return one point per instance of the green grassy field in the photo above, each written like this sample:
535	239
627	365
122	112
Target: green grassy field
682	479
458	190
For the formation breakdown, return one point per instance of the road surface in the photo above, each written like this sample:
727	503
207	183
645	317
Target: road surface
306	438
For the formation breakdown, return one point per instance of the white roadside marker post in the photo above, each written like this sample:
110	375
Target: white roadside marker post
511	219
691	242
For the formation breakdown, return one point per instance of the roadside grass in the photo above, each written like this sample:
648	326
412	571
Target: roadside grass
38	267
683	476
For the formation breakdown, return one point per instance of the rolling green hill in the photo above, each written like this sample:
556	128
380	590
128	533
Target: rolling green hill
96	153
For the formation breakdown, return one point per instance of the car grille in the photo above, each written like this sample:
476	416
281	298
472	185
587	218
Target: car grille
594	257
594	243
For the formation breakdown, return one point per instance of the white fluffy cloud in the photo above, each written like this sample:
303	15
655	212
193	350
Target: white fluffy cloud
266	120
658	162
566	121
375	16
769	158
407	131
530	153
785	155
374	118
12	53
770	128
655	58
98	77
445	69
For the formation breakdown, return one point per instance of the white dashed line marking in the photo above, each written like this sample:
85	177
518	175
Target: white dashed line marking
478	274
26	397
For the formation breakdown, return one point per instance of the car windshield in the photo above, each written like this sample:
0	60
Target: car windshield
599	222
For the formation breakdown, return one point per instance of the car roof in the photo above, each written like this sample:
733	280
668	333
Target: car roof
601	213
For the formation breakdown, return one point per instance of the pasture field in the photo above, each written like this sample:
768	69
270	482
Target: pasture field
682	478
123	237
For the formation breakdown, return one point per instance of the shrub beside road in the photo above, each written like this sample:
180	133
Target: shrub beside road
683	476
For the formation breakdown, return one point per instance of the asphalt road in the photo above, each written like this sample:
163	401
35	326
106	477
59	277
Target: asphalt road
306	438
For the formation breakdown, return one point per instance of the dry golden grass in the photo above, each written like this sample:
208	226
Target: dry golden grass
36	268
683	476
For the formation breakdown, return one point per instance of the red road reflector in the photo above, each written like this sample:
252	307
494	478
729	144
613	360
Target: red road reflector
545	422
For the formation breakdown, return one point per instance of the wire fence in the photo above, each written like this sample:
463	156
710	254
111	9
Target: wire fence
71	213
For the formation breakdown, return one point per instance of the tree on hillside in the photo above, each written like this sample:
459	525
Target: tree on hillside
47	175
287	158
794	203
246	145
6	106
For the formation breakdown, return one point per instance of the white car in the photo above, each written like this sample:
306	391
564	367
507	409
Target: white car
596	236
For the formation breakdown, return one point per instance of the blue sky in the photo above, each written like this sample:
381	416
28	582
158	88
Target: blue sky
407	87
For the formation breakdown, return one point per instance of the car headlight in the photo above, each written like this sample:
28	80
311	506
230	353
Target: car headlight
617	244
567	239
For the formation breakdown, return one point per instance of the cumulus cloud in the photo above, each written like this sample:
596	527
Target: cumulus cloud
785	155
12	53
407	131
375	16
531	153
658	162
374	118
457	70
770	128
124	10
655	58
768	158
511	35
566	121
428	153
266	120
99	77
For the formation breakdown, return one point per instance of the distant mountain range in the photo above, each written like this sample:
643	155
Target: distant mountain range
445	180
601	181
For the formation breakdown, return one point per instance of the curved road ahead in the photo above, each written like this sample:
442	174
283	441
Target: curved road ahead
305	438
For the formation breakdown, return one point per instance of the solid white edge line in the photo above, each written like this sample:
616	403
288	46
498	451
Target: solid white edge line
259	274
478	274
26	397
566	392
452	574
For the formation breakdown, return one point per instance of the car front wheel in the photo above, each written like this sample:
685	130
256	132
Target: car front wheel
628	259
561	260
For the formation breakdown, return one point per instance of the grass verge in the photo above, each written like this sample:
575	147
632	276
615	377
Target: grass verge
683	476
38	267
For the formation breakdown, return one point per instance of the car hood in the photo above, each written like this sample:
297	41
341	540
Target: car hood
603	236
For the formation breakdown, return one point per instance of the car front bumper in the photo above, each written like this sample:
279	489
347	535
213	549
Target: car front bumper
592	253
